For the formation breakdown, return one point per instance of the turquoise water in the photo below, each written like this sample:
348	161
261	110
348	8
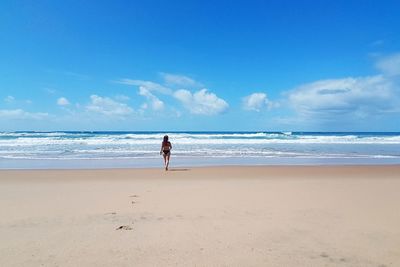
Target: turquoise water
141	149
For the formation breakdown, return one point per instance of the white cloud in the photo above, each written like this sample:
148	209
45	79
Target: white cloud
201	102
107	106
62	101
151	86
155	103
19	114
9	99
258	101
179	80
389	65
350	97
122	98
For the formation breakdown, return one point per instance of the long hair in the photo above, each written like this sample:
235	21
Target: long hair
165	140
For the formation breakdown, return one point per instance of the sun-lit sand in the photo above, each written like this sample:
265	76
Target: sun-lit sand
219	216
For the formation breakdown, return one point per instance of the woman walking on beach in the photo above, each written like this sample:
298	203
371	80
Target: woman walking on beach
166	151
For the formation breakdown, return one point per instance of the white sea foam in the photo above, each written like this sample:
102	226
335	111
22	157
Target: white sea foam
198	139
88	145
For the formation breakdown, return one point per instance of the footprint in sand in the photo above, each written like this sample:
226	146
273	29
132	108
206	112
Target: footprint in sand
124	227
324	255
133	202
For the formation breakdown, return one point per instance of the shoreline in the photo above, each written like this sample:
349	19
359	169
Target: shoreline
175	168
192	162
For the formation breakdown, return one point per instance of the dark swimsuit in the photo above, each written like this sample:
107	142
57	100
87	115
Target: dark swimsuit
166	148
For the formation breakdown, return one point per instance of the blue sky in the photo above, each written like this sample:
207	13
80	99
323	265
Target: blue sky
198	65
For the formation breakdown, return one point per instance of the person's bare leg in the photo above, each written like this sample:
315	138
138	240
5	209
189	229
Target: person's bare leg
165	161
166	167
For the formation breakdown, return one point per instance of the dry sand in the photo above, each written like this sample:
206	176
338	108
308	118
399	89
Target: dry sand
222	216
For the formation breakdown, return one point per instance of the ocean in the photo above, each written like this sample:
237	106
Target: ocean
74	149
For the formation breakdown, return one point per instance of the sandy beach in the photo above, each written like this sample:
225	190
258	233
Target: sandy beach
211	216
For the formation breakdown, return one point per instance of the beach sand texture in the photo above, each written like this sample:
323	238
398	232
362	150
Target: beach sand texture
211	216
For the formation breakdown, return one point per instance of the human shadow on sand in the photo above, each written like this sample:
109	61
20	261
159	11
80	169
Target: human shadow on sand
178	170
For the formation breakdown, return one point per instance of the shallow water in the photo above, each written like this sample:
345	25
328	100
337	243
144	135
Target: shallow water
141	149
